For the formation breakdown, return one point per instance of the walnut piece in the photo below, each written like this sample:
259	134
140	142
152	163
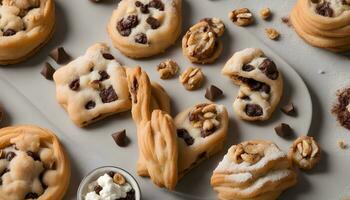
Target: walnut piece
248	152
241	17
167	69
119	179
192	78
265	13
305	153
272	33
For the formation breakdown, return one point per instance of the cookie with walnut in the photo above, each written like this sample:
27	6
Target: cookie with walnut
143	28
33	164
92	86
25	26
260	81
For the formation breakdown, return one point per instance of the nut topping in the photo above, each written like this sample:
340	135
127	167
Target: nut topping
272	33
167	69
248	152
241	17
305	153
265	13
192	78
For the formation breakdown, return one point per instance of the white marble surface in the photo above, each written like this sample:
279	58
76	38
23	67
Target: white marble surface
29	98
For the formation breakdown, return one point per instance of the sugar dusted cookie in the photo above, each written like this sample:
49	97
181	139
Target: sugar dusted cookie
92	86
201	132
25	26
253	170
260	81
33	164
143	28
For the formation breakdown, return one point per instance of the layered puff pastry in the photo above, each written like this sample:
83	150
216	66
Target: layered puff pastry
25	26
33	164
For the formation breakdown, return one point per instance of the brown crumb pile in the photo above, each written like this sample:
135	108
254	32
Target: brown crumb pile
340	108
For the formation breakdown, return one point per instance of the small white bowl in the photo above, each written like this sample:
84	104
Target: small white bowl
96	173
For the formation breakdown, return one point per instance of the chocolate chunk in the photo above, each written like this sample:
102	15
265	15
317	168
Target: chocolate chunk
253	110
138	4
158	4
60	55
74	85
248	68
182	133
134	87
31	195
283	130
288	109
124	26
10	155
103	75
9	32
213	92
265	88
48	71
33	155
108	56
153	22
108	95
245	97
141	38
120	138
268	67
90	105
324	9
111	173
144	9
254	85
97	189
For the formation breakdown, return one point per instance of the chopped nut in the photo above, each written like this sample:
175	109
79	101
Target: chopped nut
167	69
286	21
192	78
209	108
247	152
241	17
342	144
272	33
265	13
305	153
208	125
118	179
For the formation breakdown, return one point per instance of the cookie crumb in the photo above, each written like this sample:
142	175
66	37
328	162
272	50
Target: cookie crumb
321	71
286	21
167	69
341	144
265	13
272	33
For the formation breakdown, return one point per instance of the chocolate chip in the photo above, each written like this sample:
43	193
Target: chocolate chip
31	195
48	71
213	92
97	189
268	67
253	110
158	4
108	95
90	105
111	173
133	89
144	9
9	32
74	85
141	38
120	138
103	75
138	4
283	130
248	68
33	155
153	22
288	109
324	9
254	85
265	88
183	133
10	155
245	97
60	55
108	56
124	26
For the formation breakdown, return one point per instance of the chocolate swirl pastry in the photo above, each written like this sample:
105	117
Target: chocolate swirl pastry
201	43
33	164
25	26
261	84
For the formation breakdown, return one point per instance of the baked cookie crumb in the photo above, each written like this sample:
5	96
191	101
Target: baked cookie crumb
341	144
265	13
341	108
272	33
286	21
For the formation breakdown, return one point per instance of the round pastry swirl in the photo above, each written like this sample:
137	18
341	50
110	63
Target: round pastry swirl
33	164
25	25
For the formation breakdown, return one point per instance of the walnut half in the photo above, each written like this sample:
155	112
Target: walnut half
305	153
248	152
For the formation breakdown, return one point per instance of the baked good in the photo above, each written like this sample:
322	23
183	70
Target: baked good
304	153
156	133
25	26
201	132
201	43
323	23
341	108
92	86
145	28
261	84
33	164
253	170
